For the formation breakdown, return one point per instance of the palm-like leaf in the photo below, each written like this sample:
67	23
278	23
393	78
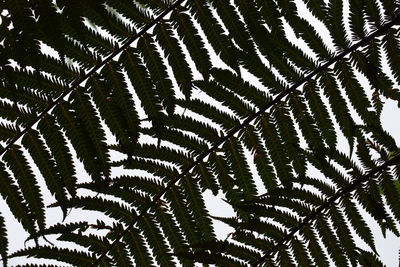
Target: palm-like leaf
121	94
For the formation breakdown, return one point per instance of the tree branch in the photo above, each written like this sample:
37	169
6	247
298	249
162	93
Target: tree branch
246	122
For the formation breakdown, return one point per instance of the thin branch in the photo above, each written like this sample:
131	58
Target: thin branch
246	122
98	66
327	204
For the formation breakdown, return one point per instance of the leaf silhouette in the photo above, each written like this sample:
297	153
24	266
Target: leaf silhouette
130	112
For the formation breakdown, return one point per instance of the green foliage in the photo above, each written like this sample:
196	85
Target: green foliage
3	240
153	99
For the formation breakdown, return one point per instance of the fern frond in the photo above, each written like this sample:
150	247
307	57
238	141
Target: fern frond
290	139
158	168
113	209
300	253
149	185
122	102
253	22
320	113
339	106
219	41
222	118
355	92
30	189
57	68
141	82
94	243
111	112
392	46
284	258
302	201
392	193
136	245
207	258
358	223
195	202
318	8
314	246
103	17
59	228
78	102
188	124
7	132
310	35
206	178
85	116
382	137
306	122
80	54
15	113
236	28
48	87
278	154
57	144
253	142
134	198
335	251
76	132
241	171
239	86
232	250
252	240
165	37
335	24
173	234
255	66
373	204
163	154
100	44
184	218
158	72
3	241
154	5
223	175
357	25
120	255
193	42
227	98
73	257
188	142
342	233
46	165
156	241
136	15
372	11
390	9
